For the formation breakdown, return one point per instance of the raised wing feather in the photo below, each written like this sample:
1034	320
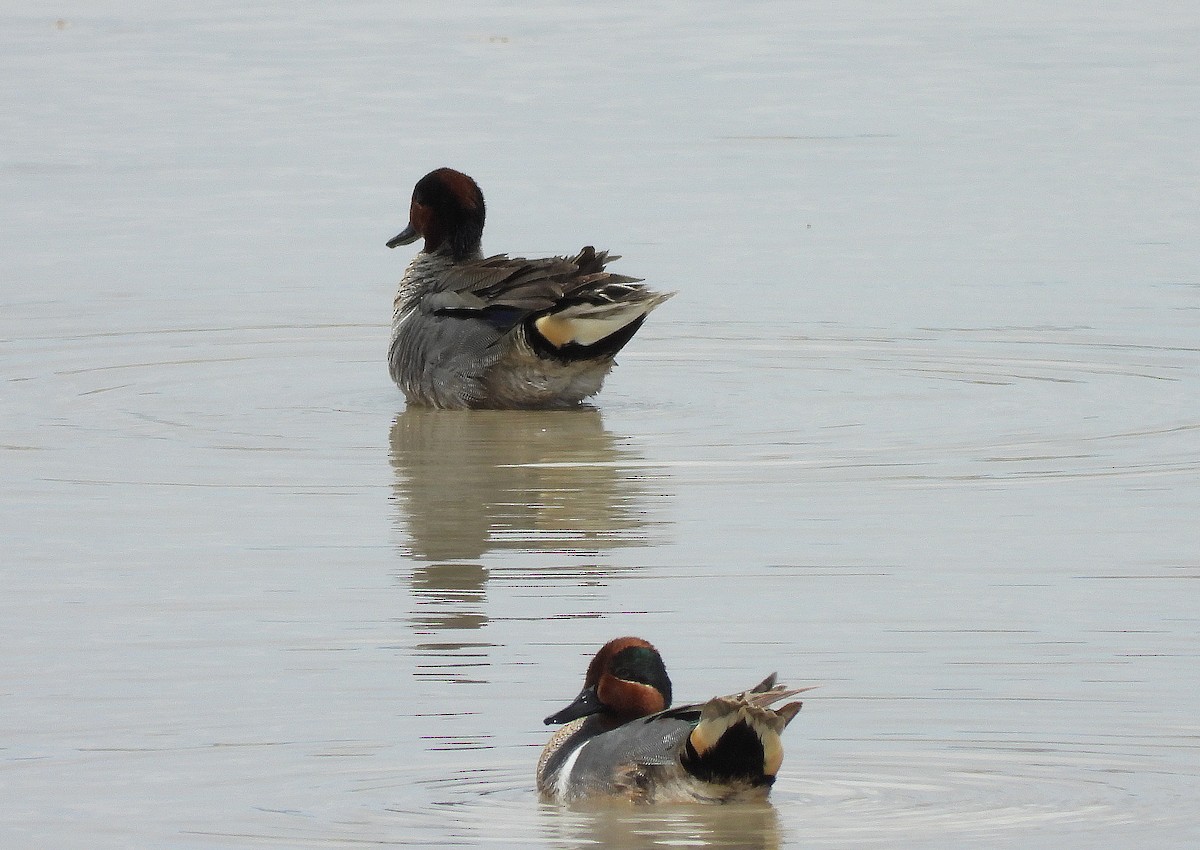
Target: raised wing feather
532	285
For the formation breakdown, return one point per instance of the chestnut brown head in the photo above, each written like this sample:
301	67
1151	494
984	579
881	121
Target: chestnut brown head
625	680
447	211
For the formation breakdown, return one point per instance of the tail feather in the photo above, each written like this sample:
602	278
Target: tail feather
738	737
596	311
588	324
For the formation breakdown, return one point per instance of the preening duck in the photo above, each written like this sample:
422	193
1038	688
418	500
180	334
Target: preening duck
622	739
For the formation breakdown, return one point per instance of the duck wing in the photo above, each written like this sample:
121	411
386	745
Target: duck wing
531	286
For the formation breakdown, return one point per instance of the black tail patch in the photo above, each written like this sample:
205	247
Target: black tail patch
737	755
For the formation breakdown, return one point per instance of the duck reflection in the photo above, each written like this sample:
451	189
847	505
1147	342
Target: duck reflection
470	483
744	826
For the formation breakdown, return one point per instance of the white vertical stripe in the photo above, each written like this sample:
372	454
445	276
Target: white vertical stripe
563	781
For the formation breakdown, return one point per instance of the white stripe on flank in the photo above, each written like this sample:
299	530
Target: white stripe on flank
563	781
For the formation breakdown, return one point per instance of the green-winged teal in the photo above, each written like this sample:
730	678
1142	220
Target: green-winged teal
501	332
622	740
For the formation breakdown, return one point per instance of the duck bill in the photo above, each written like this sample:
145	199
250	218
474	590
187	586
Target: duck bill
586	703
405	237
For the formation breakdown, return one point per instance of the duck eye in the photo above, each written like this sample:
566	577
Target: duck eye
635	664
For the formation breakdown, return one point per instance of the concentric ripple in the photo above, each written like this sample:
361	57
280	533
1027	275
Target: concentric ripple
887	797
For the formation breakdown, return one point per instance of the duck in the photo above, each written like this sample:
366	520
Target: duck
623	740
502	332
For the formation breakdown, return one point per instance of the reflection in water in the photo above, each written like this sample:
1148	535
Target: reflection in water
454	593
746	826
473	482
469	482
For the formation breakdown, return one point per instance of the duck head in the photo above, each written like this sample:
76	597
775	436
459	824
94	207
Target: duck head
626	680
447	211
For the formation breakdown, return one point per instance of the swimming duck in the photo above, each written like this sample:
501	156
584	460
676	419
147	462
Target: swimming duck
621	738
501	332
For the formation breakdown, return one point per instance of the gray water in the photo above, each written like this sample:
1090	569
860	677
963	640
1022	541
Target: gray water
922	426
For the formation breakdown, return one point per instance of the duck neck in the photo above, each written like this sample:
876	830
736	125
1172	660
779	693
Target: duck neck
425	274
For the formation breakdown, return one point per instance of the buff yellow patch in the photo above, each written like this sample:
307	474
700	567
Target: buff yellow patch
715	719
587	324
772	753
556	331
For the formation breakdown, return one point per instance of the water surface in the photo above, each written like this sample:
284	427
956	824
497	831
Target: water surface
921	427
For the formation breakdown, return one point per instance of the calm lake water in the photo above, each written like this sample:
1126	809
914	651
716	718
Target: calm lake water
922	426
